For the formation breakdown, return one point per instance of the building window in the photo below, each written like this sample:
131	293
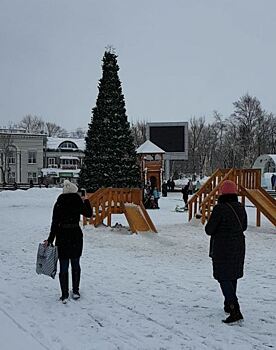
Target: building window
51	161
11	158
32	176
31	157
68	161
68	145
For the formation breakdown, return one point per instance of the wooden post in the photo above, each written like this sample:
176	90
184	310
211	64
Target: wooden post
203	213
109	219
258	218
243	200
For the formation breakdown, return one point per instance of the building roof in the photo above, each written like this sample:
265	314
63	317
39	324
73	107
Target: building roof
55	142
149	147
58	171
265	162
69	157
263	158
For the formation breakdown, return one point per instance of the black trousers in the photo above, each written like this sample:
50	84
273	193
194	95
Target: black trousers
229	289
64	265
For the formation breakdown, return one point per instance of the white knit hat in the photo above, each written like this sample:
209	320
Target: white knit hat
69	187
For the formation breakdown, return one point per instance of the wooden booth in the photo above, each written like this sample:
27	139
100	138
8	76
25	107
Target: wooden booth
152	164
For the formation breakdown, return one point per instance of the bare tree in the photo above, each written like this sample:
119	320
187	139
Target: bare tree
138	130
32	124
52	129
248	115
63	133
271	134
195	142
79	133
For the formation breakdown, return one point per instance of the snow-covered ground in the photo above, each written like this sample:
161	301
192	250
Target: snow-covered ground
145	291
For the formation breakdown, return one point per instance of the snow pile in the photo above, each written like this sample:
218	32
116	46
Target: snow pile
151	291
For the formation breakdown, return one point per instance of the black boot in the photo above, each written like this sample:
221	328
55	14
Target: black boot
235	314
63	280
226	308
76	283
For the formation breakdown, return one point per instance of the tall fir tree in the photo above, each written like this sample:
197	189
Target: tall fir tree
110	158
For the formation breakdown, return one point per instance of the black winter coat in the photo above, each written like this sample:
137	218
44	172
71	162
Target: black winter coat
65	224
227	243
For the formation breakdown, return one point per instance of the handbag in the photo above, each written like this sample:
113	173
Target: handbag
46	261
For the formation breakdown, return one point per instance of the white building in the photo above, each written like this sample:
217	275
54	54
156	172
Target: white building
26	157
63	158
21	156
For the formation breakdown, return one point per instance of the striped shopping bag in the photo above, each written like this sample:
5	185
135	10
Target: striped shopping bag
46	262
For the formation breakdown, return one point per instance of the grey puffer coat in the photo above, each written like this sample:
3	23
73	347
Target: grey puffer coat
226	225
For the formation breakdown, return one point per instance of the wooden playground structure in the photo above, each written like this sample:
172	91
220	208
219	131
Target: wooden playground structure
248	182
128	201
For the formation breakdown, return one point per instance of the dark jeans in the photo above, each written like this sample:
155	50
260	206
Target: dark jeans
229	289
64	265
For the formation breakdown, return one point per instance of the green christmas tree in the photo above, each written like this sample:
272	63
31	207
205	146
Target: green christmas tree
110	158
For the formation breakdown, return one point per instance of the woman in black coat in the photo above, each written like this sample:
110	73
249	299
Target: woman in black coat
226	225
66	232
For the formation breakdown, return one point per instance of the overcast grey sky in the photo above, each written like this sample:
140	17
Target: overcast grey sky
177	58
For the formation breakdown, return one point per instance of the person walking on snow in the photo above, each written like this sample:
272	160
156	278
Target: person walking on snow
156	197
185	194
164	189
226	227
66	232
190	187
273	182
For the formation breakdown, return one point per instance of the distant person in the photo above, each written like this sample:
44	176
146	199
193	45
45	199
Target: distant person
156	197
31	183
169	185
172	185
66	232
185	195
15	186
197	185
226	225
164	189
273	182
190	187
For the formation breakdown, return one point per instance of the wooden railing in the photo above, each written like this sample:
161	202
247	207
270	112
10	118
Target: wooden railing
108	201
195	202
204	200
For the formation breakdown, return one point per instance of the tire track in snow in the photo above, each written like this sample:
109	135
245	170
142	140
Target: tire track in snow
23	329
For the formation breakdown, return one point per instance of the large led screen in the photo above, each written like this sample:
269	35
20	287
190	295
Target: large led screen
169	138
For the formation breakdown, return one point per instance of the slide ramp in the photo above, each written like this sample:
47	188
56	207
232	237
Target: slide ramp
263	201
138	218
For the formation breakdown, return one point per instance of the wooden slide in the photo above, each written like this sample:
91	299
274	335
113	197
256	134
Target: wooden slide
138	218
263	201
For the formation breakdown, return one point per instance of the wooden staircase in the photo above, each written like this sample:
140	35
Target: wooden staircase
108	201
272	193
247	180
